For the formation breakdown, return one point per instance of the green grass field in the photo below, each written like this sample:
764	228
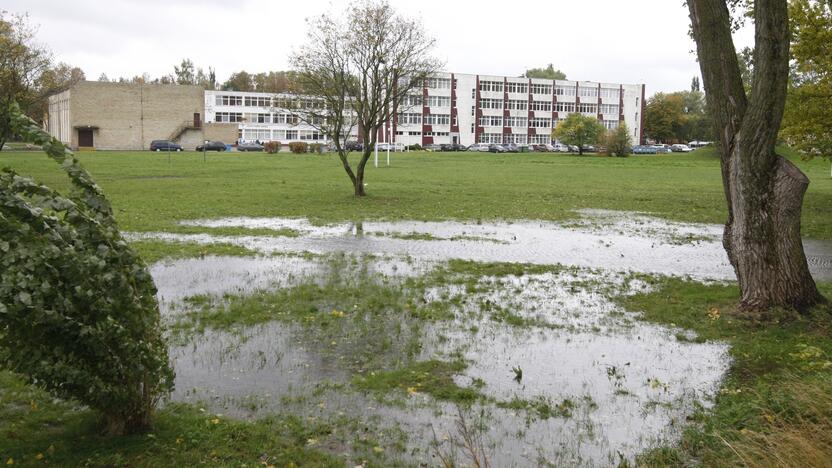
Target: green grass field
149	193
774	403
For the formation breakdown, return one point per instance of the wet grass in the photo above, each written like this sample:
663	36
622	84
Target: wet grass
774	407
433	377
149	194
153	251
36	429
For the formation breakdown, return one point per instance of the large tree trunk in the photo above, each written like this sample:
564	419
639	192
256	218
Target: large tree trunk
764	192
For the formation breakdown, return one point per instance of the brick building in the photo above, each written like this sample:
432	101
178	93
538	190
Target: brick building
127	116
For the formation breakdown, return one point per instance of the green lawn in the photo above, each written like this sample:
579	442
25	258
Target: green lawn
779	363
149	193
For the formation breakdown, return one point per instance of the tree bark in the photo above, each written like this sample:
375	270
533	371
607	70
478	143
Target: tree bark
764	192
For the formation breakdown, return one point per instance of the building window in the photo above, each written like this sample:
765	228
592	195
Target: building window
228	117
516	139
567	90
258	101
540	123
541	89
438	83
610	92
490	138
517	122
493	86
540	139
229	100
491	121
439	101
567	107
514	104
609	108
542	106
410	119
291	135
412	100
587	108
588	91
491	103
438	119
610	124
518	87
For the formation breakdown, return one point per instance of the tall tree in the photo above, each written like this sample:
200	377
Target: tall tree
664	116
185	73
360	65
694	84
763	190
807	123
548	73
239	81
579	130
22	62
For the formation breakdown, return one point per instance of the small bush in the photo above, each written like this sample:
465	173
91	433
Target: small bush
618	141
299	147
316	148
272	147
416	147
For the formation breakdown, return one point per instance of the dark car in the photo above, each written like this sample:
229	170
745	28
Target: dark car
588	148
354	146
164	145
540	148
511	148
250	146
496	149
211	146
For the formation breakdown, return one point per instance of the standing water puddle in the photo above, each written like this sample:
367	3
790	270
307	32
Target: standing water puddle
595	383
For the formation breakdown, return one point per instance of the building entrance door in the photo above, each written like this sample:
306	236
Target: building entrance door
85	138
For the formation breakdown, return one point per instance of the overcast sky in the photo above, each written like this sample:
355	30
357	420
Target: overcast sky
616	41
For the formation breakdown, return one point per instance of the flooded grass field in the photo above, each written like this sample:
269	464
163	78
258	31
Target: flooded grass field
439	340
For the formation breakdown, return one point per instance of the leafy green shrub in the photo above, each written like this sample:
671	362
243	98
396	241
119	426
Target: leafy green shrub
78	310
299	147
618	141
316	148
272	147
415	147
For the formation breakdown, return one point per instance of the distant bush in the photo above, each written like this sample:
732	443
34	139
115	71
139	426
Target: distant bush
316	148
618	141
272	147
299	147
416	147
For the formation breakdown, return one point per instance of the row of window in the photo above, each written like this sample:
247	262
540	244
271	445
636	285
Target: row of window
609	108
429	119
265	134
265	101
499	138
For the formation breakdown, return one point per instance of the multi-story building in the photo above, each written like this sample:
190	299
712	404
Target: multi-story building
449	108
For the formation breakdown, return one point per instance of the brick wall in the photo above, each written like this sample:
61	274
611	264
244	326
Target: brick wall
130	116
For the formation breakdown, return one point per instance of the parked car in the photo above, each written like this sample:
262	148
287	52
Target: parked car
459	147
644	149
494	148
561	148
511	148
479	147
432	147
249	146
573	149
680	148
211	146
164	145
446	147
698	144
540	148
353	146
588	148
550	148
